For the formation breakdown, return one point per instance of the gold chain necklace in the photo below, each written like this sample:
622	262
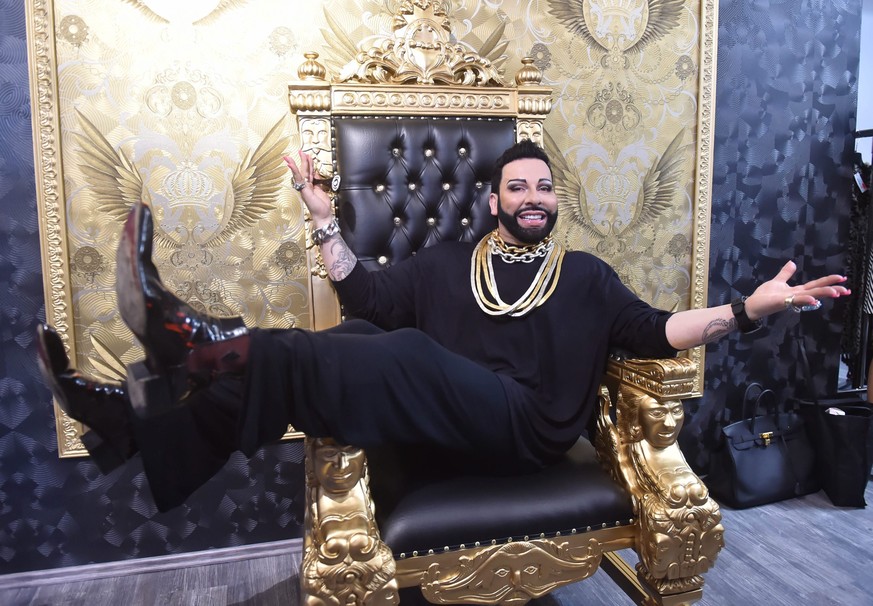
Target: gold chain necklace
484	284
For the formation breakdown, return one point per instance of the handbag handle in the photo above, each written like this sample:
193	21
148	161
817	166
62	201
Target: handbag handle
764	393
807	372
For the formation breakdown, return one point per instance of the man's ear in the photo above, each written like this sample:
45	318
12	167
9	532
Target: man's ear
492	202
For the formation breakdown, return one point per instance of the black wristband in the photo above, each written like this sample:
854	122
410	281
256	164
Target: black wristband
744	323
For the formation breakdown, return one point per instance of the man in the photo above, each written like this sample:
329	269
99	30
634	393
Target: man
495	348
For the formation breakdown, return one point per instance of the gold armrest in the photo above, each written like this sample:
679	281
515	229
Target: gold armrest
680	533
344	559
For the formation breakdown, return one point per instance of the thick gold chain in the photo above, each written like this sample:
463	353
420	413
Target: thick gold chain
484	284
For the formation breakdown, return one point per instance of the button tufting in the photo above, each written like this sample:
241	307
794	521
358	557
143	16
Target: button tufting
396	220
478	185
462	151
395	152
428	153
447	186
412	187
431	221
380	187
383	260
465	221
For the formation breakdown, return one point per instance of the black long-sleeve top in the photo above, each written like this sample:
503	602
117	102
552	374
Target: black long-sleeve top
554	356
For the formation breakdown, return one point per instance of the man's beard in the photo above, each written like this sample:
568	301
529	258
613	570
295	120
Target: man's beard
526	235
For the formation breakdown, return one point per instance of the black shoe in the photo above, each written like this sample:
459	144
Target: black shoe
100	406
167	327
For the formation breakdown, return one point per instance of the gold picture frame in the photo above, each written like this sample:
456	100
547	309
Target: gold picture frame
88	101
203	150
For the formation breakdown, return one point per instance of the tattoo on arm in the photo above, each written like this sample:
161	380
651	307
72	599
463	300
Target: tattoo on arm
717	329
344	258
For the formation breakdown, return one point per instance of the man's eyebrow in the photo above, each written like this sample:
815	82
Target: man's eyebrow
520	180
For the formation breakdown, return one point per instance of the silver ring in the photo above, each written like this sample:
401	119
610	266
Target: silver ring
301	185
789	301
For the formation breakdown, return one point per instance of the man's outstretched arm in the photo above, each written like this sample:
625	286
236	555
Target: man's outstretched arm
338	257
699	326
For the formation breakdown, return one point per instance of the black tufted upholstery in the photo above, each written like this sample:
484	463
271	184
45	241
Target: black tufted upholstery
408	183
419	511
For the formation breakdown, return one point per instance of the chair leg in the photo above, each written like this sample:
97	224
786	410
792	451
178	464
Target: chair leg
646	591
345	562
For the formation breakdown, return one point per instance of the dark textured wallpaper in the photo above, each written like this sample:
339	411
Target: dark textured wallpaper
785	100
785	107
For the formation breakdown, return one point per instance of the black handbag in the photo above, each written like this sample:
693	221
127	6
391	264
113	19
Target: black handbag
762	458
843	443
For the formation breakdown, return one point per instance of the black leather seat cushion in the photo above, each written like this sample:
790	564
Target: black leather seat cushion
408	183
424	514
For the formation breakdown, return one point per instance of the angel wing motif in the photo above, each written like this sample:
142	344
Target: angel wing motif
255	185
659	188
572	202
113	179
219	10
614	27
146	11
117	184
210	17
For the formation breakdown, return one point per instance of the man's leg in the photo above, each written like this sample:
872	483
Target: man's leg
184	447
360	389
102	407
398	387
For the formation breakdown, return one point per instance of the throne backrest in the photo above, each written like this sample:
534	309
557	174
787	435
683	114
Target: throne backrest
409	183
407	135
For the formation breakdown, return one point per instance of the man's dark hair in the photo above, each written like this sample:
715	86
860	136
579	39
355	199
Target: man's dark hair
521	150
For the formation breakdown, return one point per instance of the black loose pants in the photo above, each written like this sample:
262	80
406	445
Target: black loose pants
355	383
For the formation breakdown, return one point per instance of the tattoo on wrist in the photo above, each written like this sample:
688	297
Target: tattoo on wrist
717	329
344	261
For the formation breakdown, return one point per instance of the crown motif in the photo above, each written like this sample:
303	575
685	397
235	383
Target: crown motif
188	186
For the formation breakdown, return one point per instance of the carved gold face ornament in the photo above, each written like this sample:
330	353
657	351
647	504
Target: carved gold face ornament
661	421
338	468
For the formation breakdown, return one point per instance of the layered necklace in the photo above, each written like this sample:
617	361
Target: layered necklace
484	284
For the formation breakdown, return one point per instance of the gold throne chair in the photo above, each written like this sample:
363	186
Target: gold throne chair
406	136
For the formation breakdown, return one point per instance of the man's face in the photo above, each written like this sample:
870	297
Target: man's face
527	207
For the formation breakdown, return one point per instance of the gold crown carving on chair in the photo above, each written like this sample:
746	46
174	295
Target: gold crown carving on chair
674	525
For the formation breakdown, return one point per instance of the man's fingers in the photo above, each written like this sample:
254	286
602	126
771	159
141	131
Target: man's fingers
295	170
786	272
832	280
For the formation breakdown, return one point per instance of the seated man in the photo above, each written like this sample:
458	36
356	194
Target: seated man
495	348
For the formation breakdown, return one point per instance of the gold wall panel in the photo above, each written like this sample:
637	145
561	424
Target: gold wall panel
185	105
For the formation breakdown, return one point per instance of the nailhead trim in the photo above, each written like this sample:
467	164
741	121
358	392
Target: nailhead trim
507	540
